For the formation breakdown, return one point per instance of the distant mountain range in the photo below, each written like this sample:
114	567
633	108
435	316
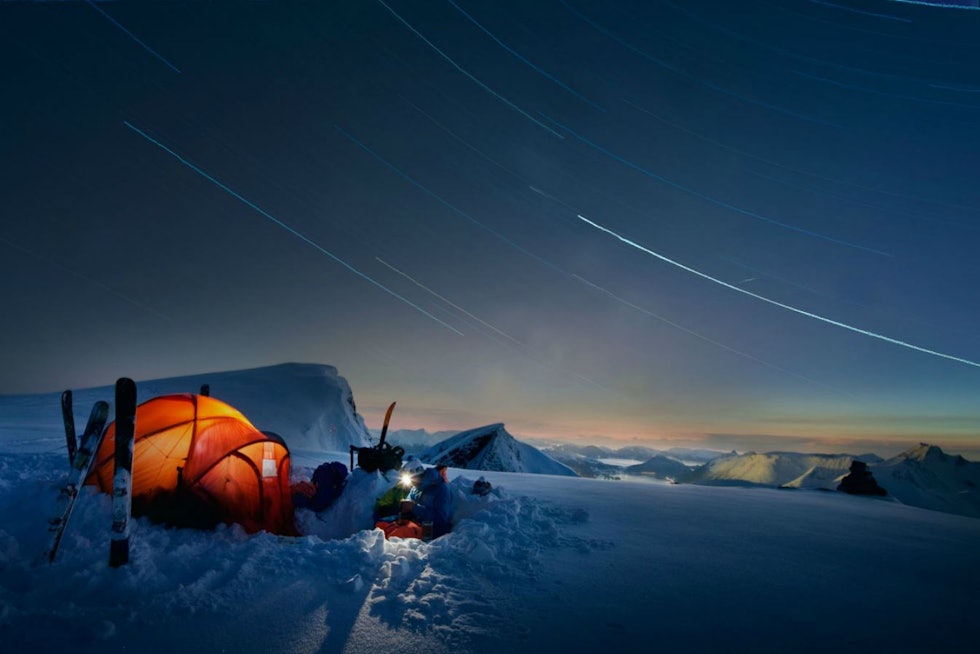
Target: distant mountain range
923	476
777	469
660	467
615	463
312	408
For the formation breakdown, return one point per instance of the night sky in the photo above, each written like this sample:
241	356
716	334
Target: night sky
749	225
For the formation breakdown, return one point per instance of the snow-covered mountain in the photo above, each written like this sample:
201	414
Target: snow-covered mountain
585	466
777	469
694	455
492	448
310	405
613	463
660	467
590	460
925	476
790	469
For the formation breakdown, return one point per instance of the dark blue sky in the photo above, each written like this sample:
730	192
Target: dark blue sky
746	225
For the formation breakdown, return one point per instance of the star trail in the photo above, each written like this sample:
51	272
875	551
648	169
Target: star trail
673	223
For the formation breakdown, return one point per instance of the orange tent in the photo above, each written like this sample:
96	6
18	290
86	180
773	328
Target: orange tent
198	462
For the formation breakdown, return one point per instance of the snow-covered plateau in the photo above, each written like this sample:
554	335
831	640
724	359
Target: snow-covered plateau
545	563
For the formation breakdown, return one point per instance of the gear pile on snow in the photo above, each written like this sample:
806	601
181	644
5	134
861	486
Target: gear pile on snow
382	456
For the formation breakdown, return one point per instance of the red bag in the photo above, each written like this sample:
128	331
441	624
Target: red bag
304	488
400	528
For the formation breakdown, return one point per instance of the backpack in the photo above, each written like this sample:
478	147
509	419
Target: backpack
380	457
329	479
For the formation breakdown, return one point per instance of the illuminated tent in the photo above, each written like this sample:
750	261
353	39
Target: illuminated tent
198	462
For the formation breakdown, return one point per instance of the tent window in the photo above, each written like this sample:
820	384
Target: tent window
269	460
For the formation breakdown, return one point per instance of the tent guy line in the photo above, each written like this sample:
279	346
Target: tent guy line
776	303
294	232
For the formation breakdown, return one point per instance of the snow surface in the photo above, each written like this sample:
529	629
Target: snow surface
544	564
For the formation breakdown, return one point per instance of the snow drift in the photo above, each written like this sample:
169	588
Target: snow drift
309	405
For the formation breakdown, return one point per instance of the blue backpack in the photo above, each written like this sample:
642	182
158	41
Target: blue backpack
329	479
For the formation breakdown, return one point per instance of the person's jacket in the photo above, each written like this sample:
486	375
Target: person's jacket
434	502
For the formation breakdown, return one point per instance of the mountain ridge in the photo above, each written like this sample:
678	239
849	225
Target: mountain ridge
492	448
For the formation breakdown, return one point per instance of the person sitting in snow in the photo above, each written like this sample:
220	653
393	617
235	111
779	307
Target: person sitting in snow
433	501
389	504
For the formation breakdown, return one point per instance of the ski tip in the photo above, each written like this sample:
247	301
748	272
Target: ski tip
125	387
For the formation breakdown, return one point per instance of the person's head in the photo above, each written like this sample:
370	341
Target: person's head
443	472
411	470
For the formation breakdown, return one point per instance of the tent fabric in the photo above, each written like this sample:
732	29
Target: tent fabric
198	462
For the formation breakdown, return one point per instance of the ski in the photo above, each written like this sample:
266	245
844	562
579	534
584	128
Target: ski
68	415
122	481
382	456
384	427
80	466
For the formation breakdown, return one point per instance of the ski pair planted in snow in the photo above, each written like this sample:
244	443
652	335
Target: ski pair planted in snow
82	455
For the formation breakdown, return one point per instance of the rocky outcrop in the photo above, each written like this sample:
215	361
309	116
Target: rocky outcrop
860	481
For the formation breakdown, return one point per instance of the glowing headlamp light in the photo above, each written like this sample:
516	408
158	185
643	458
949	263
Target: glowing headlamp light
406	479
